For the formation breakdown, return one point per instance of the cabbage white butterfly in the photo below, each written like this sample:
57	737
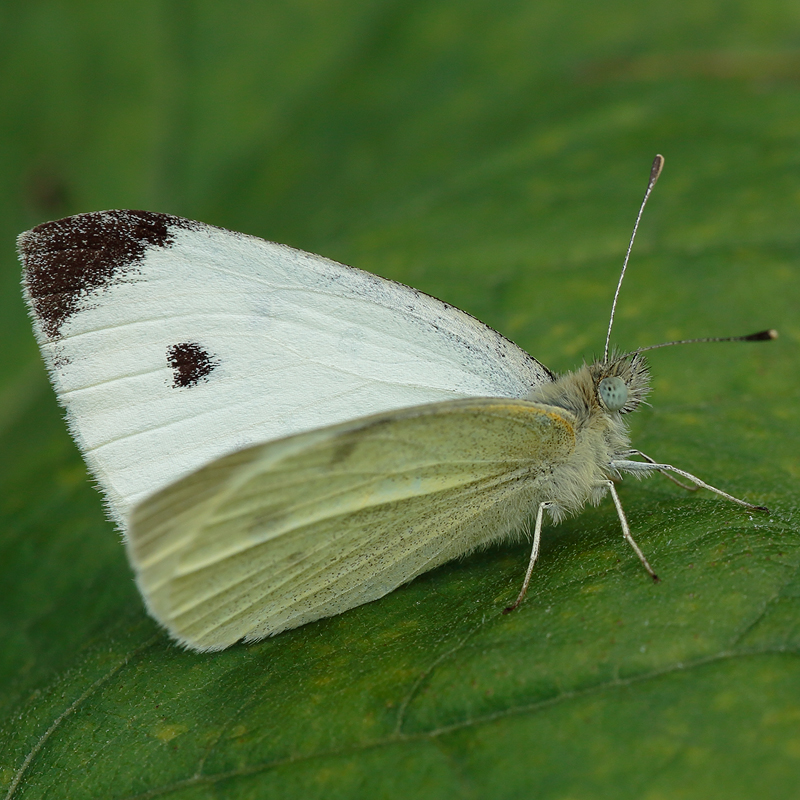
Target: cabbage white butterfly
281	438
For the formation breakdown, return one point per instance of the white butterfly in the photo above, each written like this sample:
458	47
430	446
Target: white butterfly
281	437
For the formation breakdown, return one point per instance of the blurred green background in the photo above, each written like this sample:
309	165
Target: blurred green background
492	154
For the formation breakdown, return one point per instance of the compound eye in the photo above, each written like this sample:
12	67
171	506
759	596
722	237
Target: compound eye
613	392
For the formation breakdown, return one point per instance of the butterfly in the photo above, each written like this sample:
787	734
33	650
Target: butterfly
280	437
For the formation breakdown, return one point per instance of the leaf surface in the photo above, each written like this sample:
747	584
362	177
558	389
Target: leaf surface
494	155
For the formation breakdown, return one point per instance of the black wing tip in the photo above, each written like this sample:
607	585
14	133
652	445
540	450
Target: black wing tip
150	225
68	259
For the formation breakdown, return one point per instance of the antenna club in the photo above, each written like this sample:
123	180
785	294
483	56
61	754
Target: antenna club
655	170
762	336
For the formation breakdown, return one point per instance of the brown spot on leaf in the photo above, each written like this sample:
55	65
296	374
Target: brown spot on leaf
190	364
70	259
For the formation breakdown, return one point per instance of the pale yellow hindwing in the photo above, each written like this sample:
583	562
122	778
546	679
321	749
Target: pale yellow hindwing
286	532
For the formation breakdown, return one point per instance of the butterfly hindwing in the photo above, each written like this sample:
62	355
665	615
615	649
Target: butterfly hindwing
293	530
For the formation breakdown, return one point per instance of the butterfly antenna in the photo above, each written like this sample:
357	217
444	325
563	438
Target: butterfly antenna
655	171
761	336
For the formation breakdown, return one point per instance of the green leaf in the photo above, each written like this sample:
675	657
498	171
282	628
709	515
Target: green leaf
494	155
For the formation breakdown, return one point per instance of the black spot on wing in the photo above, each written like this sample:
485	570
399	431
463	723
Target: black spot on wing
190	364
67	260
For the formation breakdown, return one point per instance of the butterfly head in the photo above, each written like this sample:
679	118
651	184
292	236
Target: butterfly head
622	382
600	390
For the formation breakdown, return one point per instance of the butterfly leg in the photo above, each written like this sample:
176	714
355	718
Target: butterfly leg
626	530
537	536
688	487
637	466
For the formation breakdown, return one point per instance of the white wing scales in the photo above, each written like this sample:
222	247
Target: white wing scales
290	531
171	343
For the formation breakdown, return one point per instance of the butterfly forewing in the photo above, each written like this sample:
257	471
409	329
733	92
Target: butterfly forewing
308	526
172	343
